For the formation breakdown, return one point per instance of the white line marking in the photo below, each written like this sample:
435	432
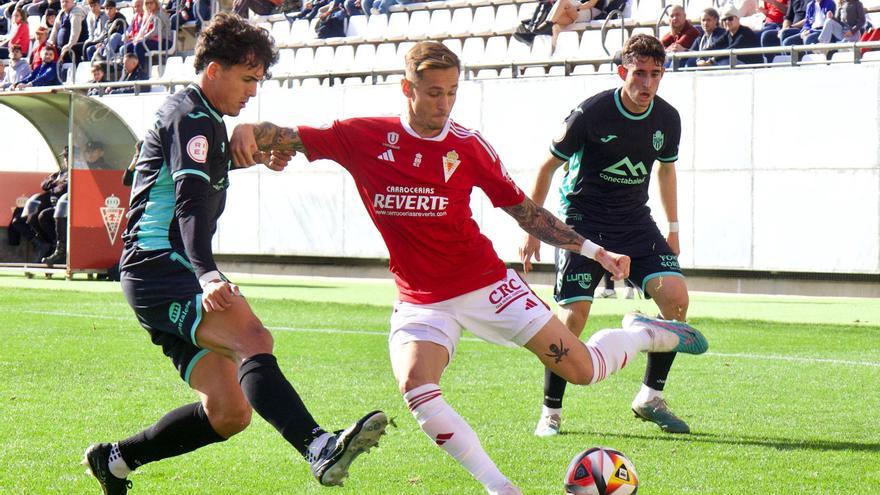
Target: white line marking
766	357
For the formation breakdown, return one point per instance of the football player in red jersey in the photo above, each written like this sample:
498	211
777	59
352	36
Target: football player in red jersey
415	174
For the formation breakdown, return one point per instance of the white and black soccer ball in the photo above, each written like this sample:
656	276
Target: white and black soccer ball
601	471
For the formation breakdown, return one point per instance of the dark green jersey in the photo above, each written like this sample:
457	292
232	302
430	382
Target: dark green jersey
610	155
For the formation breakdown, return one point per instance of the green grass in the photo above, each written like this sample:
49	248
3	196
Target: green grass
786	401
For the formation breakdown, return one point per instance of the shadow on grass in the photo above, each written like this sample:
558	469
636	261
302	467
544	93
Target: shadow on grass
286	286
775	443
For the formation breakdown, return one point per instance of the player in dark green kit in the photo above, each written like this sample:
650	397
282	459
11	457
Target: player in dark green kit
198	318
610	143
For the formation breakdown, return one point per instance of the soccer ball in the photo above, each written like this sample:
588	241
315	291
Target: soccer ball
601	471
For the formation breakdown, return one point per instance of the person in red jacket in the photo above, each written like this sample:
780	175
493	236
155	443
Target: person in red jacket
683	33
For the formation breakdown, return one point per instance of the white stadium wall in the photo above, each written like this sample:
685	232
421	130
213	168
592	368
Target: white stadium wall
779	169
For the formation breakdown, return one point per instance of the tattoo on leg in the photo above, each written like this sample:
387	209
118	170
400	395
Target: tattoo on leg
557	352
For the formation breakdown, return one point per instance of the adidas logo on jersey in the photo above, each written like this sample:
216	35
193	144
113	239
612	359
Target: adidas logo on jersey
530	304
443	438
387	156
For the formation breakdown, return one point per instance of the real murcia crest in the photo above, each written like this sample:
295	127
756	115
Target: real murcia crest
450	164
111	212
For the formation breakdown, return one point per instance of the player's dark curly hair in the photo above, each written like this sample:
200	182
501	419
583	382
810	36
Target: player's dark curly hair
641	46
230	40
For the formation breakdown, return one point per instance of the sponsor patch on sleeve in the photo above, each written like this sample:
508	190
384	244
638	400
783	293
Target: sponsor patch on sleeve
197	149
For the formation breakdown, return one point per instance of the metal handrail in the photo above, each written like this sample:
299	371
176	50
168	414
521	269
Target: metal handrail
604	31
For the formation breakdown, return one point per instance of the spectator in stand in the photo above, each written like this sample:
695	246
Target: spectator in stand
99	75
353	7
117	40
847	25
19	34
774	15
42	40
155	32
564	13
738	36
331	21
134	71
70	30
18	69
791	24
259	7
96	22
116	24
310	9
714	37
814	19
44	75
188	10
681	35
39	7
384	6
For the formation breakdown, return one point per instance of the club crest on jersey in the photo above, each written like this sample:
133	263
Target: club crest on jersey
391	140
197	149
658	140
417	160
450	164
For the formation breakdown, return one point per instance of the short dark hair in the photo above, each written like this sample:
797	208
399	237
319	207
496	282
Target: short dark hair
230	40
712	13
641	46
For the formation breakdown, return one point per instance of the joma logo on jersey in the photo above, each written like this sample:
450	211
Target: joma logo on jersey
582	279
174	312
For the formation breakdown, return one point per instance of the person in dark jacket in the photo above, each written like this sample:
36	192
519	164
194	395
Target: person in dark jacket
44	75
738	36
714	37
133	72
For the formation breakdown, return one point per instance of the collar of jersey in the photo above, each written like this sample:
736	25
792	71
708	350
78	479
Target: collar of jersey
404	121
625	113
208	105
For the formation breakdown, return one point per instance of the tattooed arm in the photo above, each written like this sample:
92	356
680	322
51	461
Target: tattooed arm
542	224
264	143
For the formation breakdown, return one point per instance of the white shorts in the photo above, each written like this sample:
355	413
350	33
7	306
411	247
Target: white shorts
507	313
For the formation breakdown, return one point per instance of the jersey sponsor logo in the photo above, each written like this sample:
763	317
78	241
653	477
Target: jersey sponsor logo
669	261
387	156
608	138
417	160
112	213
625	172
405	201
450	164
507	292
657	141
197	149
582	279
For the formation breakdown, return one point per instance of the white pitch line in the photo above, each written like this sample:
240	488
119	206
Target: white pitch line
766	357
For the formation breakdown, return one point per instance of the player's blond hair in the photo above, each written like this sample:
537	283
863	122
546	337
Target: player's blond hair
427	55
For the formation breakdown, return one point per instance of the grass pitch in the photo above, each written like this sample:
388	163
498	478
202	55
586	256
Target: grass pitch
786	401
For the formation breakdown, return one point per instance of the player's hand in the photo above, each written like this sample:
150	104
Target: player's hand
278	160
672	240
531	247
218	295
245	152
616	264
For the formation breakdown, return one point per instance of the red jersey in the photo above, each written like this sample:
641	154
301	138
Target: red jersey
418	191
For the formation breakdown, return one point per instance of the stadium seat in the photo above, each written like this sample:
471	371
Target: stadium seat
871	56
84	71
303	61
299	32
614	39
402	49
357	26
386	57
695	8
484	18
324	60
479	3
527	10
343	58
364	58
454	44
281	32
541	49
643	30
648	11
506	19
376	27
285	61
591	44
814	58
782	59
842	56
461	22
472	51
441	22
418	25
174	69
567	46
397	29
518	51
496	49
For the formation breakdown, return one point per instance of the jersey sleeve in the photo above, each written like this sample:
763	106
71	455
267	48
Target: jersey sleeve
190	147
571	138
669	152
493	178
327	143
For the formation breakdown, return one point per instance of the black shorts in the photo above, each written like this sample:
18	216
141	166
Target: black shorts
167	299
578	276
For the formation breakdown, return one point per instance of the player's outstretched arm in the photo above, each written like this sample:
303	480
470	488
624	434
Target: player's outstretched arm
540	223
531	245
264	142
